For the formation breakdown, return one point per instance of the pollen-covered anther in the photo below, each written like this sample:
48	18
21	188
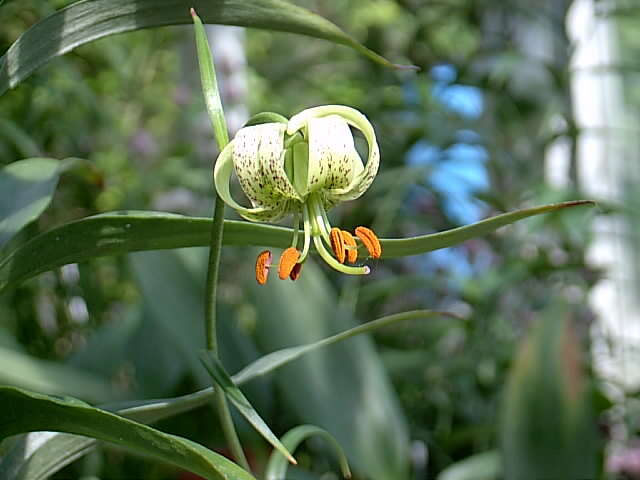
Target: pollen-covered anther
350	246
288	261
295	272
370	241
263	262
337	244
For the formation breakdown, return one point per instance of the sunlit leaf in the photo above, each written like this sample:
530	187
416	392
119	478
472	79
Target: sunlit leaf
121	232
88	20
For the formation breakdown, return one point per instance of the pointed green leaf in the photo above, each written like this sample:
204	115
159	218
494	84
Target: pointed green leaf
22	411
276	359
209	83
89	20
548	426
120	232
277	466
224	381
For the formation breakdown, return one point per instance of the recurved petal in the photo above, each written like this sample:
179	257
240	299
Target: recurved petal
258	158
221	178
333	158
362	180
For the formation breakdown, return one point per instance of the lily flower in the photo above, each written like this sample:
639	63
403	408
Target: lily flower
303	168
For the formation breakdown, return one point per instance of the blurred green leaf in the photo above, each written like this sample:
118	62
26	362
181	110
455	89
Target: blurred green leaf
89	20
120	232
26	188
172	303
548	426
22	411
483	466
38	462
278	465
344	388
233	393
23	370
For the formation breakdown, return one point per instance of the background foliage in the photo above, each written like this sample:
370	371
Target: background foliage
460	140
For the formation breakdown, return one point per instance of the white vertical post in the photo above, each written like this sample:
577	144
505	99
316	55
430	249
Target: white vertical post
604	155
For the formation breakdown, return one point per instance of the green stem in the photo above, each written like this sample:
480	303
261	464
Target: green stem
219	124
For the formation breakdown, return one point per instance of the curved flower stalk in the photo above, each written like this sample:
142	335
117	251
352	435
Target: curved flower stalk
303	168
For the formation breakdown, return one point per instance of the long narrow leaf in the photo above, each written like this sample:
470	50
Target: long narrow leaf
88	20
233	393
22	411
209	83
40	462
122	232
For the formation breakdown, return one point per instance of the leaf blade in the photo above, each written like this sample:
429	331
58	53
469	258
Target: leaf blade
121	232
24	411
225	382
88	20
41	463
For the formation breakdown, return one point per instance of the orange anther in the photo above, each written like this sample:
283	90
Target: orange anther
370	241
351	246
295	271
337	244
263	262
288	261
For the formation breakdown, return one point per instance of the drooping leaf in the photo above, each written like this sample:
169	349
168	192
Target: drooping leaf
343	388
548	426
277	466
233	393
89	20
22	411
273	360
482	466
121	232
38	462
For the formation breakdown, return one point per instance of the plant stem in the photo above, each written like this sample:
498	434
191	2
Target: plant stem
211	332
219	124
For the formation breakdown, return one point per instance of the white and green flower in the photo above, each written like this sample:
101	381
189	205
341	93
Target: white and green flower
303	167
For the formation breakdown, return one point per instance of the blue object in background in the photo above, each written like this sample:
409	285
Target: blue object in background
457	172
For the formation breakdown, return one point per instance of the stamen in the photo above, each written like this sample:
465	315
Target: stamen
295	273
337	244
263	262
370	241
288	261
351	246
